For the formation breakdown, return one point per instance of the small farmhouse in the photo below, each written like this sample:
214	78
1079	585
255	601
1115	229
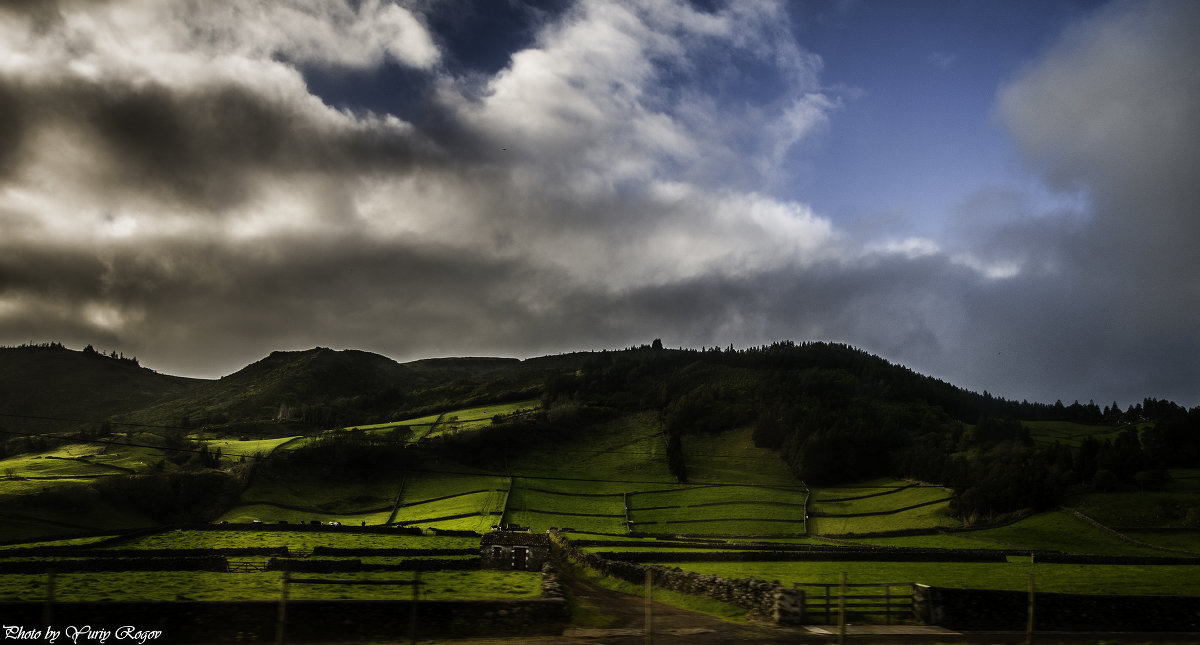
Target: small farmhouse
513	550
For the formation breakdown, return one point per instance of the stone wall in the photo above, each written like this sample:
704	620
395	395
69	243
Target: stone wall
985	609
766	600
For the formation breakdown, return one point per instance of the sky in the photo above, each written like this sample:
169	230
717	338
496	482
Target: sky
1000	194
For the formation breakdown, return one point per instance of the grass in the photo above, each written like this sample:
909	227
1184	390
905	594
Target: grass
83	541
294	540
1013	576
232	450
889	501
187	585
933	516
542	509
732	457
323	495
1181	541
479	417
694	495
458	505
723	512
523	498
428	496
594	617
1062	531
628	451
1144	509
540	522
1069	433
247	513
71	461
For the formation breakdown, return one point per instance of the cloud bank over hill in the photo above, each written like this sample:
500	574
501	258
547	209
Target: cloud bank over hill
172	184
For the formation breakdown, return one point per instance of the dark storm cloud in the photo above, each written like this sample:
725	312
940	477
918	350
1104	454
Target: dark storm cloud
1110	113
187	198
207	146
12	130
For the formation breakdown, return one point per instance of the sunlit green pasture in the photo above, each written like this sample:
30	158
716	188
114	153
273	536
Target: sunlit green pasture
896	499
730	526
200	585
729	511
549	502
542	521
697	495
294	540
71	461
859	490
932	516
429	496
247	513
134	458
424	486
1061	578
476	503
234	450
478	417
83	541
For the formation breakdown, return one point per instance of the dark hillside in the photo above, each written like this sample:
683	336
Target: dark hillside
319	388
323	388
52	381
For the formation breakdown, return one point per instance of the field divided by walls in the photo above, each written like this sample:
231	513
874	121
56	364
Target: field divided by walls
879	506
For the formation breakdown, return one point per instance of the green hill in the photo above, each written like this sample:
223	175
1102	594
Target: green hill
54	389
645	440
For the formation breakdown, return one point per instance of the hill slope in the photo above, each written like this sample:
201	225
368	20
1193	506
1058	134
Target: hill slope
53	382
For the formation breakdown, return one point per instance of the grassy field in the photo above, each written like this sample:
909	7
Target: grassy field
628	452
301	498
629	456
234	450
294	540
474	418
247	513
1143	509
70	461
1062	578
889	501
187	585
731	457
435	425
1069	433
429	496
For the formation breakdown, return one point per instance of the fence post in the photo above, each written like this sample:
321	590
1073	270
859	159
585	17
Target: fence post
887	604
281	621
828	605
842	611
649	611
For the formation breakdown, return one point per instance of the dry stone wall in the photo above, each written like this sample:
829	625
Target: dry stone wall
767	600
